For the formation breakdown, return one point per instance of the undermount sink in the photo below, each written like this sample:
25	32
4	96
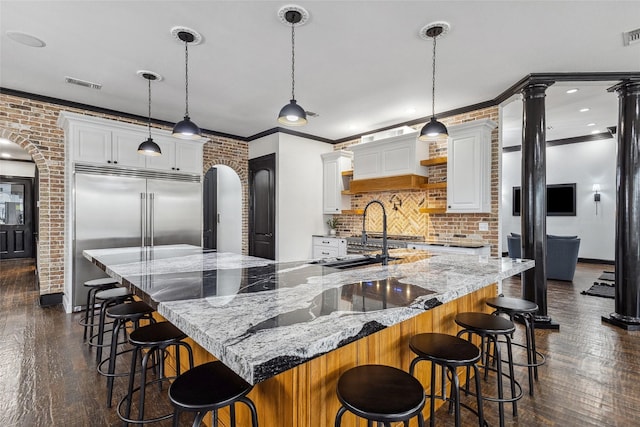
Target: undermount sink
352	262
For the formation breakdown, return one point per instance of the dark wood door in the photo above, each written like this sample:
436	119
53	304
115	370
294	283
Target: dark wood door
210	209
16	217
262	206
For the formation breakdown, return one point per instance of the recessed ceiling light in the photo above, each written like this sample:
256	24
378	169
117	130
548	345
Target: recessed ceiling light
584	110
5	155
591	124
595	131
25	39
574	90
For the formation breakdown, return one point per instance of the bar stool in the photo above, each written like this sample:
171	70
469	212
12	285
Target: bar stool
448	352
380	393
489	328
524	310
106	299
207	388
94	286
121	314
155	338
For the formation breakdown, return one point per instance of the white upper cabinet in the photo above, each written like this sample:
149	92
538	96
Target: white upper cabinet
469	167
106	142
124	149
394	156
333	164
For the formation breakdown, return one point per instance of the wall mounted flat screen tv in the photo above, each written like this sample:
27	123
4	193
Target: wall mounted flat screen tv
561	200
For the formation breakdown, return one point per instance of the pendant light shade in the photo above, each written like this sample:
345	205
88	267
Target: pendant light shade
149	147
292	114
186	129
433	128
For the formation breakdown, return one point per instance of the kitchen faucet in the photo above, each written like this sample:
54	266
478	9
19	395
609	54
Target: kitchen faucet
385	249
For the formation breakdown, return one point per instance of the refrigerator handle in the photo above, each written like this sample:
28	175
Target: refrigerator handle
151	217
143	218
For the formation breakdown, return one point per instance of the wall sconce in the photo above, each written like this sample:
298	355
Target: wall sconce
596	195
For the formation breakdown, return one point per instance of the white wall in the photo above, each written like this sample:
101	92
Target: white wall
299	196
12	168
229	202
298	191
585	163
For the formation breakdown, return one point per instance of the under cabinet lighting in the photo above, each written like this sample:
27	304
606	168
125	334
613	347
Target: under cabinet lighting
584	110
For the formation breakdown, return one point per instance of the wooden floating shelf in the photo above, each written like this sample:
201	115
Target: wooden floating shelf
346	192
347	173
433	210
435	185
353	212
401	182
434	161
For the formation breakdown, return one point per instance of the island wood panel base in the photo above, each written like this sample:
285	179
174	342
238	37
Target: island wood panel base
305	396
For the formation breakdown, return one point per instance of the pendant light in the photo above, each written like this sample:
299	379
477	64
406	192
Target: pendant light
292	114
433	128
149	147
186	129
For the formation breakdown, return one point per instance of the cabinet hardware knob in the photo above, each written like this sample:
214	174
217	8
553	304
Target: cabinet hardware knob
115	161
108	161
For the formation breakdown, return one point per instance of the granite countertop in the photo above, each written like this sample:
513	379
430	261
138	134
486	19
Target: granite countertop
261	318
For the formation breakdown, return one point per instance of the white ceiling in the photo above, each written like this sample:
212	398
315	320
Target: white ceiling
360	65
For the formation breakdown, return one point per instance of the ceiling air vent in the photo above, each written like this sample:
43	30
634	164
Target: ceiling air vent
631	37
84	83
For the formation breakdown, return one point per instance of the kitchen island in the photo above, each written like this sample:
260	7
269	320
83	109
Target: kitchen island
291	328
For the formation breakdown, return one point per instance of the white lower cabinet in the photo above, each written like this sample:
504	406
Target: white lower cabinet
483	250
329	247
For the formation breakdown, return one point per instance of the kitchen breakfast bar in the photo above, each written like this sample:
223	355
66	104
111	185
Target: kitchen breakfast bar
291	328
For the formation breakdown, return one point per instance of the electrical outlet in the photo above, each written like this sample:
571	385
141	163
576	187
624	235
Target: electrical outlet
483	226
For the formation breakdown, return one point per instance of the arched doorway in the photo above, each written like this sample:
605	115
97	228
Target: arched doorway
18	216
222	209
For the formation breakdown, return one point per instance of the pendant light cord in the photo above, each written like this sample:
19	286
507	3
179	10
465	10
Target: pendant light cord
433	80
293	61
149	121
186	78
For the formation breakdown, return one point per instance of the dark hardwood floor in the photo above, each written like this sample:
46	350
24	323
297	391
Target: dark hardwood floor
591	378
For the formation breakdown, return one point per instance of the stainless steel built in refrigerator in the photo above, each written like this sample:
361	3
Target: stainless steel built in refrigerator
122	208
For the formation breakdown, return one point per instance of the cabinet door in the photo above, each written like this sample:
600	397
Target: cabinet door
469	167
188	158
125	149
92	145
166	161
331	196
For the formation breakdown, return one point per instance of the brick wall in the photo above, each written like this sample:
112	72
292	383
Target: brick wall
407	220
32	125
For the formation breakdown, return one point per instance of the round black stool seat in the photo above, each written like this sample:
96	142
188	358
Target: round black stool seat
209	387
156	338
156	334
380	393
489	328
523	310
514	305
121	313
448	352
485	323
95	285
